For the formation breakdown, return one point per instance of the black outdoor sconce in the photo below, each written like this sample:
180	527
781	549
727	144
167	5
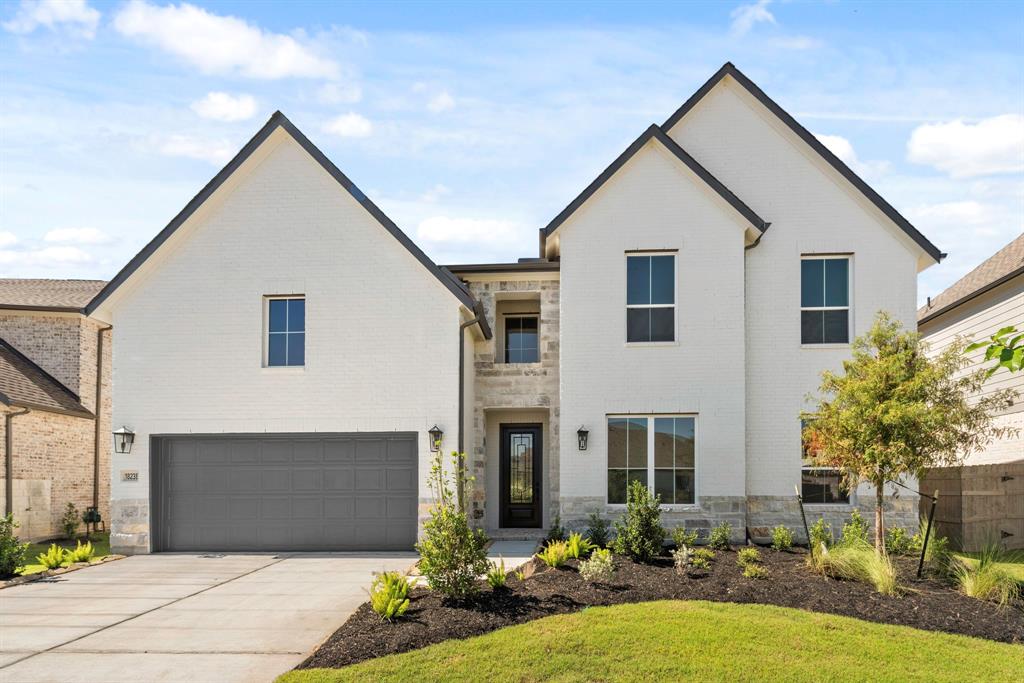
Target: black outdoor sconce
581	437
123	440
435	438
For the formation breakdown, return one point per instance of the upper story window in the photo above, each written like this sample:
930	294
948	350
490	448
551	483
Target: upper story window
820	484
670	473
286	331
522	339
650	298
825	300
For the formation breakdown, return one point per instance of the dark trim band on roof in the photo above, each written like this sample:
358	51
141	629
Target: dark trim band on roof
976	293
530	267
280	120
728	69
654	132
47	309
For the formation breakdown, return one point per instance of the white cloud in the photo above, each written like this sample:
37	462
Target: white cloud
218	44
483	232
216	152
73	16
443	101
843	149
222	106
350	125
77	236
963	150
339	93
47	257
745	17
436	192
7	239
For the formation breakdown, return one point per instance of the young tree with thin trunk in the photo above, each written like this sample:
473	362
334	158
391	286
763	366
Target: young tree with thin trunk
894	411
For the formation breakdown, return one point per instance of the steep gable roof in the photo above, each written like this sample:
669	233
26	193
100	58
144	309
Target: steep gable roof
279	120
728	69
655	133
25	384
1005	264
37	294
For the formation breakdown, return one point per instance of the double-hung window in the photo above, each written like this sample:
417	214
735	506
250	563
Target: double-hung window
657	450
286	331
825	300
650	297
820	484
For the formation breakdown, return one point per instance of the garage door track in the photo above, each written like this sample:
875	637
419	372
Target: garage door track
175	617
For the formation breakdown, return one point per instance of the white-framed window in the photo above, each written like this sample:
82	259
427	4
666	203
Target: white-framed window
825	299
819	485
650	297
658	450
285	331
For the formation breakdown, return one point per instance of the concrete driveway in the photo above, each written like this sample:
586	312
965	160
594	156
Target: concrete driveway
176	617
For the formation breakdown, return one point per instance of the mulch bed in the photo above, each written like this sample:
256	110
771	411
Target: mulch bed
927	604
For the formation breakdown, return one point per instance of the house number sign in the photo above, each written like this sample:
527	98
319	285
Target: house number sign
129	475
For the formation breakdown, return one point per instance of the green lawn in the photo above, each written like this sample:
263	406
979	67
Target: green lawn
1014	565
100	544
676	640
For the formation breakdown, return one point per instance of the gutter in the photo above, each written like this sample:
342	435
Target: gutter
758	240
97	413
9	459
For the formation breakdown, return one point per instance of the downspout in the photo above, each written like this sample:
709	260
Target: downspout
9	460
98	412
746	510
462	401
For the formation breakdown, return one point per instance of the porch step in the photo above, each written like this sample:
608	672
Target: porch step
536	535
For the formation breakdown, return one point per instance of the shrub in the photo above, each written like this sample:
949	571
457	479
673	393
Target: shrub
755	571
984	579
496	576
719	536
855	530
69	520
859	561
452	555
639	533
704	554
681	558
700	563
53	558
597	532
577	546
897	541
782	539
81	553
681	537
599	568
12	550
389	595
555	554
520	575
937	553
556	532
820	541
747	556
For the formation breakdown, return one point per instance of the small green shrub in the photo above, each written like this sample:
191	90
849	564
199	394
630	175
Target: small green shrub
520	575
81	553
599	568
555	554
937	554
639	533
704	554
755	571
12	550
53	558
69	520
897	541
577	546
747	556
719	536
857	560
597	531
984	579
819	543
681	558
856	530
389	595
782	539
681	537
700	563
556	532
496	575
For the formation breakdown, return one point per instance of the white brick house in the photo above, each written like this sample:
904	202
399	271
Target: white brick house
282	348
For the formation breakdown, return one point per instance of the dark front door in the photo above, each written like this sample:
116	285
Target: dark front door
520	476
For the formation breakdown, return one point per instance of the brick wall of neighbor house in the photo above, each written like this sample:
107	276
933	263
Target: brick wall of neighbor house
508	393
381	331
812	210
53	453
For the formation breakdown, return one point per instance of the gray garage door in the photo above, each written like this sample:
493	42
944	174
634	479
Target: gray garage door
285	492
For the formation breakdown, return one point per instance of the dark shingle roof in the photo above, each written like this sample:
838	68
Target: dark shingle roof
64	295
1006	263
25	384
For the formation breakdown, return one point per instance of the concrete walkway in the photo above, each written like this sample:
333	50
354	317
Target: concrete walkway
190	618
514	553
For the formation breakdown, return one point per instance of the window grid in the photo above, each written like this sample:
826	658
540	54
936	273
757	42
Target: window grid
517	350
286	347
650	306
824	335
640	458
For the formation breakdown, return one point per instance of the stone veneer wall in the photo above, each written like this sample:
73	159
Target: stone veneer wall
520	386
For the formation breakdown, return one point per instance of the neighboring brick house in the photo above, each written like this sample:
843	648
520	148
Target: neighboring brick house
283	350
48	388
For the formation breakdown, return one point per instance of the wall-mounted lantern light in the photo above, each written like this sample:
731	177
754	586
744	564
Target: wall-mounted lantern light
435	438
581	437
123	440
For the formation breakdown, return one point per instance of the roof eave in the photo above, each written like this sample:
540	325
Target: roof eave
973	295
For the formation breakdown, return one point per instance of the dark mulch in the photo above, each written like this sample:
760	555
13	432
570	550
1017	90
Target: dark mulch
927	604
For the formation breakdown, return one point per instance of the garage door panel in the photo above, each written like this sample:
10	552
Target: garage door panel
286	492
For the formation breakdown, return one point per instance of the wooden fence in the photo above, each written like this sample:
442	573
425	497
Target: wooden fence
978	504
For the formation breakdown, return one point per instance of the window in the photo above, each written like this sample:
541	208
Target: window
670	473
521	339
820	484
286	331
650	298
825	300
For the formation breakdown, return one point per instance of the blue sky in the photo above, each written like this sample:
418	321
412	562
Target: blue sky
472	124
